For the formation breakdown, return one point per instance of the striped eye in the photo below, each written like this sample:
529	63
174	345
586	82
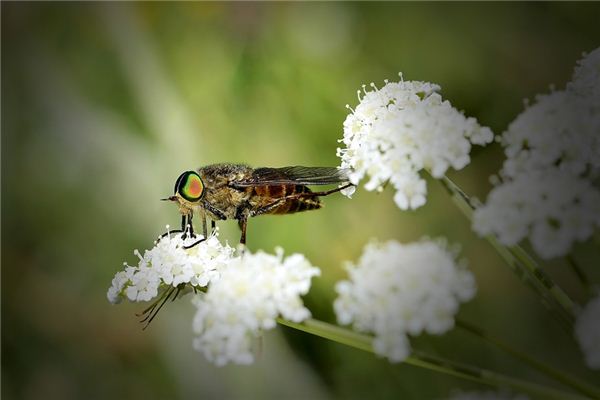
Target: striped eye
189	185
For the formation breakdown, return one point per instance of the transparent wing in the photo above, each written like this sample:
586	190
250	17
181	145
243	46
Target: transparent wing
296	175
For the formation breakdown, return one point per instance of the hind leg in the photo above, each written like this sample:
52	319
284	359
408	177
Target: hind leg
324	193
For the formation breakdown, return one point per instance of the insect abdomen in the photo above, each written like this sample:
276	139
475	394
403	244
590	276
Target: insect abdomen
296	204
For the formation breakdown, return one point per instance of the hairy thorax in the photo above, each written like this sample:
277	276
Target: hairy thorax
219	193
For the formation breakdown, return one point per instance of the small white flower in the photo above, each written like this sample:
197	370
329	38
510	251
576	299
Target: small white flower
169	263
552	208
119	282
587	333
253	290
488	395
402	128
398	289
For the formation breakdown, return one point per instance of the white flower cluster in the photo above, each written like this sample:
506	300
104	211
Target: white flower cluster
398	289
169	263
587	333
488	395
402	128
553	208
552	153
252	291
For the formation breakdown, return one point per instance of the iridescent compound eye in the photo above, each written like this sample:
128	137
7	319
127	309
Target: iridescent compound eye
189	185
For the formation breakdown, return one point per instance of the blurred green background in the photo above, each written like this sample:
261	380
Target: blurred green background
104	105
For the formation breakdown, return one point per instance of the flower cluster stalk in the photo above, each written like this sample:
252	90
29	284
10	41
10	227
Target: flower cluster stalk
422	360
523	265
581	276
561	376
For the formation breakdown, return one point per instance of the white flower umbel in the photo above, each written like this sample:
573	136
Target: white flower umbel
552	208
398	289
402	128
169	264
587	333
487	395
253	290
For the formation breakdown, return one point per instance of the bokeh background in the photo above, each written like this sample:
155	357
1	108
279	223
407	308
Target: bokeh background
104	105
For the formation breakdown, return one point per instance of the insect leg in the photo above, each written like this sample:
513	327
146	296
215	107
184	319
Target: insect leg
213	226
268	207
192	235
243	223
191	226
204	230
183	222
281	200
324	193
184	225
220	214
153	315
196	243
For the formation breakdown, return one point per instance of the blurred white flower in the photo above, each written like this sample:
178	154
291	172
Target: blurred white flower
560	130
488	395
253	290
552	208
586	78
168	263
552	153
398	289
402	128
587	333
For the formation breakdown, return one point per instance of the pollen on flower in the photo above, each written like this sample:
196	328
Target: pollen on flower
253	290
401	129
396	290
587	333
169	264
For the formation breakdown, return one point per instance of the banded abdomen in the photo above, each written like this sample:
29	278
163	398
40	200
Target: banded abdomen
270	195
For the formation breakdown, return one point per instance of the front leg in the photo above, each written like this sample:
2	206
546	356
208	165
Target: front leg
215	211
241	215
182	230
243	223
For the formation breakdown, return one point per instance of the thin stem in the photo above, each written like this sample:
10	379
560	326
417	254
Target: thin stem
561	376
583	279
523	265
422	360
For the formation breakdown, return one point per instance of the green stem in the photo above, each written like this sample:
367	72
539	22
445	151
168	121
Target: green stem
422	360
561	376
583	279
523	265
